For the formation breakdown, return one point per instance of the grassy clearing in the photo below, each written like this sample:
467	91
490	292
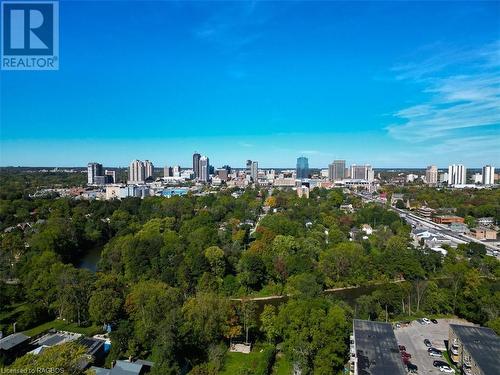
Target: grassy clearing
237	362
282	365
61	325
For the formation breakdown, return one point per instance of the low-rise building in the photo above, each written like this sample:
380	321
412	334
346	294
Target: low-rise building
447	219
485	221
483	233
474	349
459	227
374	349
425	211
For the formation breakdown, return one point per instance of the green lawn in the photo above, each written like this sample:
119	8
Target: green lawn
235	362
282	366
61	325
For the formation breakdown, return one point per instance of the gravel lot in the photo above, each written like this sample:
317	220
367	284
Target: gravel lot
413	336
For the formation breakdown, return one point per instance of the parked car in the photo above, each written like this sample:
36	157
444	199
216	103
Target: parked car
434	321
412	368
439	363
427	343
447	369
402	348
404	354
406	360
435	353
426	321
421	321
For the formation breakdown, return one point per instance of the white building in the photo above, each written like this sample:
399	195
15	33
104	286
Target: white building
93	170
362	172
488	175
431	175
136	172
204	169
148	169
477	178
457	174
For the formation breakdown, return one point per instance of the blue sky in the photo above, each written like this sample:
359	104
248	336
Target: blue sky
394	84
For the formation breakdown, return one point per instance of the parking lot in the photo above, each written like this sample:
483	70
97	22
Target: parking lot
413	335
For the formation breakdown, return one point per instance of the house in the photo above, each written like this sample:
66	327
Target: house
13	346
122	367
438	241
483	233
367	229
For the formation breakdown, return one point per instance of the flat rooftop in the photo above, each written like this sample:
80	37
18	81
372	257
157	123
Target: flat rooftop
483	345
13	340
377	349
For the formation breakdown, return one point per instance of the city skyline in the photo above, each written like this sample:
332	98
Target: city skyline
262	81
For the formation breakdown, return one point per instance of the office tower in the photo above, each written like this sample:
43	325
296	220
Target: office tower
196	165
168	171
148	169
110	176
336	170
431	175
248	167
302	168
136	172
254	170
488	175
93	170
176	171
204	168
457	174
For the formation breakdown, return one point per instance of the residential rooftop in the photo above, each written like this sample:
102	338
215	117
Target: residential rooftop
377	350
13	340
483	345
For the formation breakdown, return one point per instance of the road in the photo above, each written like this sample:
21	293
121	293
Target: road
443	230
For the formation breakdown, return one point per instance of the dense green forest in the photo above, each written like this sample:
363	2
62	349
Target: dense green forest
176	275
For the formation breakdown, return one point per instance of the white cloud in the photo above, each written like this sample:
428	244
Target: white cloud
463	89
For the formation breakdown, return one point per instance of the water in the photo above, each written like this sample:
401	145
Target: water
90	259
